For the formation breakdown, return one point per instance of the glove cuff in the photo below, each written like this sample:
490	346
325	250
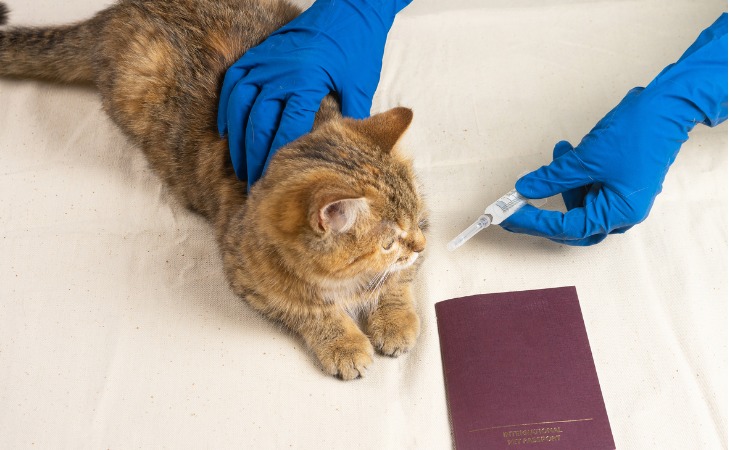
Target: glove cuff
385	9
697	83
350	15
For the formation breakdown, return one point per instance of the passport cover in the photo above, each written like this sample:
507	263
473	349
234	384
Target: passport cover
519	371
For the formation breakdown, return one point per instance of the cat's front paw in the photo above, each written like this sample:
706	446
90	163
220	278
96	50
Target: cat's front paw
346	356
394	332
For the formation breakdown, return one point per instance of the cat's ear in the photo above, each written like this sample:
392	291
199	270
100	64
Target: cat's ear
329	109
337	215
386	129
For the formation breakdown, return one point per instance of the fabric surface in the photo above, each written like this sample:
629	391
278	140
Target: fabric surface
118	330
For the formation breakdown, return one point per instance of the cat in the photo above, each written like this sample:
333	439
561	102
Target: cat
329	238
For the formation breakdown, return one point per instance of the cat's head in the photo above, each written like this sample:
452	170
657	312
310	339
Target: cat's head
343	203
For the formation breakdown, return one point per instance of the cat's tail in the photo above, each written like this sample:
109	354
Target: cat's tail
3	14
52	53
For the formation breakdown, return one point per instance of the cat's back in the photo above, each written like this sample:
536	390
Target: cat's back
192	30
160	63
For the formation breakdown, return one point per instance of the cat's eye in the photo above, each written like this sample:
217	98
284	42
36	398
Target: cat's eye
387	245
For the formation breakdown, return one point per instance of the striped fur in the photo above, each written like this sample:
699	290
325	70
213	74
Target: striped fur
332	230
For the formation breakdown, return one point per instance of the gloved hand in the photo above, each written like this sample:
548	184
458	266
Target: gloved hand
609	181
270	95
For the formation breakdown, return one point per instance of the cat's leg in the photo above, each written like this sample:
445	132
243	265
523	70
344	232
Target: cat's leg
394	325
334	337
342	349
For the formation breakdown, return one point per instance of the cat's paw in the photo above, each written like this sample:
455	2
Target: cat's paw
347	356
395	332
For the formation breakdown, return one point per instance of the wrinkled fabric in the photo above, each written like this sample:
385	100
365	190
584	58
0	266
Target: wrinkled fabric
118	328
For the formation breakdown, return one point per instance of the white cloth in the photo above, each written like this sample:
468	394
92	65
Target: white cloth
118	330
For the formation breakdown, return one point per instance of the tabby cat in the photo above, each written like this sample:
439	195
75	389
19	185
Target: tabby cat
327	239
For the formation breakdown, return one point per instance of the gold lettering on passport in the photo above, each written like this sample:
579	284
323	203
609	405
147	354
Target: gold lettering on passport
528	424
532	435
535	435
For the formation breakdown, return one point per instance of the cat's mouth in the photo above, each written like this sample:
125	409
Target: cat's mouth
406	261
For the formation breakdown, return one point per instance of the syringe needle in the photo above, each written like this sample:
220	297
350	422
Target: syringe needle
494	213
481	223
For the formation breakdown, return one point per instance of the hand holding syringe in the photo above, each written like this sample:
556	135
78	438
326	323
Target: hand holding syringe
494	213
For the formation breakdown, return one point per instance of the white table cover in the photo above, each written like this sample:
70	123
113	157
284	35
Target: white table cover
118	330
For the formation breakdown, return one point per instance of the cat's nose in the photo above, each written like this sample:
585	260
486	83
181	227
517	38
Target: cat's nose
418	244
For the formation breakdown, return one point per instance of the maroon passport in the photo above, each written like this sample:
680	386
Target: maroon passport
519	372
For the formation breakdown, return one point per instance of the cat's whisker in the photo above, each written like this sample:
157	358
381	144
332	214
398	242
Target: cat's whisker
376	297
379	280
375	293
374	281
372	289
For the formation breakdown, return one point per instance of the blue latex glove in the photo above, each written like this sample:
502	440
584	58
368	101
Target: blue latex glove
270	95
609	181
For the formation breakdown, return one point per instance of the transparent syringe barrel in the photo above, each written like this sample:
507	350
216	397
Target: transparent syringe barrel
481	223
505	206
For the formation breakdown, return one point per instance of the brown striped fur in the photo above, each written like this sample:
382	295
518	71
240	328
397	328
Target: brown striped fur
329	235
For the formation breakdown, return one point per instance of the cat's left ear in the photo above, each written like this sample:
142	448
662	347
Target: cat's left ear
337	215
386	129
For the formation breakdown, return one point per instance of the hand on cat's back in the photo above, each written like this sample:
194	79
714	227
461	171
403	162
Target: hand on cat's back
271	94
332	236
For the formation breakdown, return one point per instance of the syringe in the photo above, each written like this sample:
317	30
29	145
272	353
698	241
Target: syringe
494	213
